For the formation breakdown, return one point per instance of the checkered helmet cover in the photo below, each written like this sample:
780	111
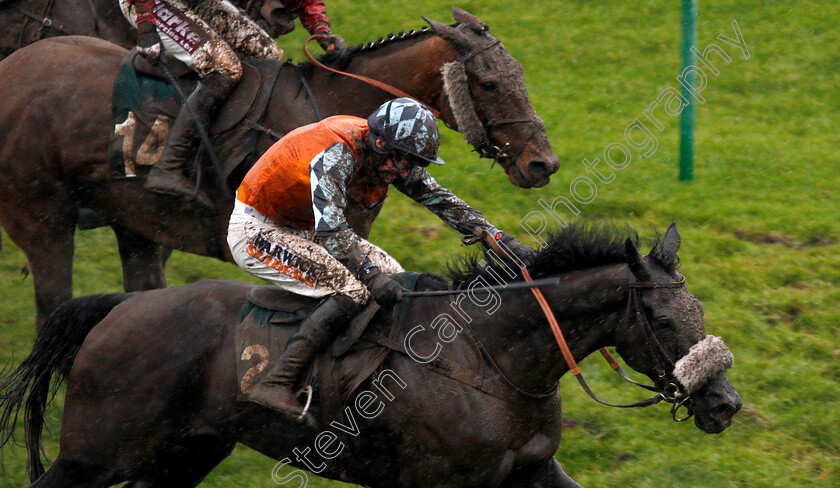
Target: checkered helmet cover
407	126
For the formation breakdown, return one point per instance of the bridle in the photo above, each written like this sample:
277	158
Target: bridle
487	150
475	132
672	393
481	142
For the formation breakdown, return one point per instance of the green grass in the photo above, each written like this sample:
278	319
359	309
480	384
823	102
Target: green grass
759	225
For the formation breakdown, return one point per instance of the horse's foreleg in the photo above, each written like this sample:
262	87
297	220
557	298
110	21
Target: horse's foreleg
47	241
51	263
142	261
545	475
63	474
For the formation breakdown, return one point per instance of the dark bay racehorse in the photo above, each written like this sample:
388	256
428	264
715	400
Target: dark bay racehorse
23	22
54	128
152	383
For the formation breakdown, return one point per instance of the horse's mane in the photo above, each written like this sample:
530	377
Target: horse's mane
340	61
386	41
579	245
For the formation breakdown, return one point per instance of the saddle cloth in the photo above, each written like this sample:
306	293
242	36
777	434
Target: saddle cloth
267	323
144	105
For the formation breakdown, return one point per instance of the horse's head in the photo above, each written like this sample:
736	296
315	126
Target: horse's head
680	358
486	97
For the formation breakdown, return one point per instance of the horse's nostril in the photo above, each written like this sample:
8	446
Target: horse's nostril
538	169
727	408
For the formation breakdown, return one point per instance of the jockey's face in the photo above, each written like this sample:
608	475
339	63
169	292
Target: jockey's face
392	165
395	166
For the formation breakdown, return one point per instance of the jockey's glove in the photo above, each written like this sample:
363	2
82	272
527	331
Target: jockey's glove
384	290
332	42
525	254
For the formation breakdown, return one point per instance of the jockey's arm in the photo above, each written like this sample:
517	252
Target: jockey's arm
312	13
148	39
423	189
313	17
329	174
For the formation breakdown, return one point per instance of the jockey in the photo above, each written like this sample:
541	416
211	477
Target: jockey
206	35
290	224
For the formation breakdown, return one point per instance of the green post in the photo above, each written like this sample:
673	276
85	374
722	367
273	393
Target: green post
689	39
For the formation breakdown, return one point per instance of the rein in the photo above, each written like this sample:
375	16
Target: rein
483	146
46	22
378	84
512	286
634	305
673	393
570	360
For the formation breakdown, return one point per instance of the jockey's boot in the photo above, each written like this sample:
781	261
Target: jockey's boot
167	176
277	390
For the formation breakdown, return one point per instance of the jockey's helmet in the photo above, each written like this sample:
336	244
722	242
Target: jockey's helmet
408	127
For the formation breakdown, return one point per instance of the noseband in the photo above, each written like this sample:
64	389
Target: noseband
488	150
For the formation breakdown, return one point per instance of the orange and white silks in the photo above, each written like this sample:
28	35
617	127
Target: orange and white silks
279	185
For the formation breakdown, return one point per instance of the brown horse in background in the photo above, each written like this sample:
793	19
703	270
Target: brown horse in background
55	118
23	22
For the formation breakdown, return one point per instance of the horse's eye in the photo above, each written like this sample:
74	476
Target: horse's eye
664	323
488	86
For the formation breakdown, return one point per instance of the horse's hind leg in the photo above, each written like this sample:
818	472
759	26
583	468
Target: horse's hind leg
142	261
187	465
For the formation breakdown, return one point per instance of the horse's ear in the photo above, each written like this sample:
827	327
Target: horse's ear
463	17
450	34
634	260
671	244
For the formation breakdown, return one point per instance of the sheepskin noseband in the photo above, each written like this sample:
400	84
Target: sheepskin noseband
703	361
457	89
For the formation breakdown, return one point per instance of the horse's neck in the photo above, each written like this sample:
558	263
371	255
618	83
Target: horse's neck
594	309
411	65
588	305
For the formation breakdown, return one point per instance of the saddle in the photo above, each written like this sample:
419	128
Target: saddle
269	317
144	104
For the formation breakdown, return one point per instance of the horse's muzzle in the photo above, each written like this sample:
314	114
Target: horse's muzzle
715	404
538	173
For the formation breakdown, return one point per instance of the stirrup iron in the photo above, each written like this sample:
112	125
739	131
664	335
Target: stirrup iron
308	390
